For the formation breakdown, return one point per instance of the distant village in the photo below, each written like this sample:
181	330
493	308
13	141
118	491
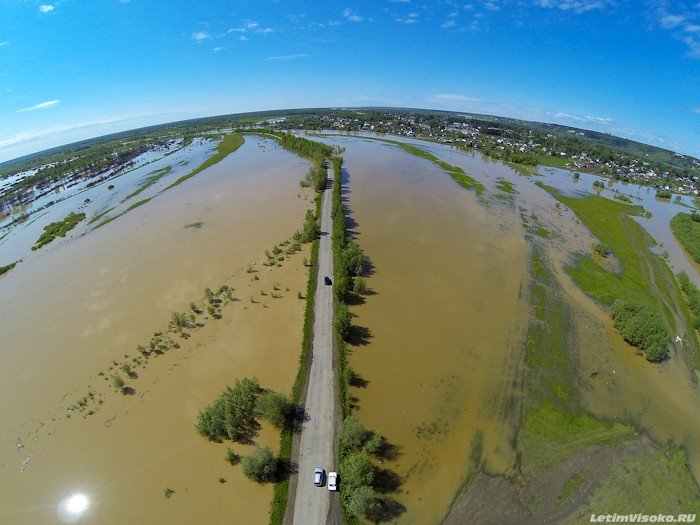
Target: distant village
520	146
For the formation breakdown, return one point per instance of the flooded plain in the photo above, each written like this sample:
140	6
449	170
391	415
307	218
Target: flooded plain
439	345
440	359
82	304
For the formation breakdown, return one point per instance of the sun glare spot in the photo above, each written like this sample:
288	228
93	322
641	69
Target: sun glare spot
73	507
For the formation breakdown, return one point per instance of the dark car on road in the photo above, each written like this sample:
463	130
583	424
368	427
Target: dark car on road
319	477
327	280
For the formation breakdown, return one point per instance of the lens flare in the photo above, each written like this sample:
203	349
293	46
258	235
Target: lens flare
73	507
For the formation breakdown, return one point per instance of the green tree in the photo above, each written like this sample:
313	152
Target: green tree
260	465
342	321
352	433
232	414
275	408
360	501
356	470
359	286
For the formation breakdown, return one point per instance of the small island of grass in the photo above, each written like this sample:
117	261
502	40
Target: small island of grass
58	229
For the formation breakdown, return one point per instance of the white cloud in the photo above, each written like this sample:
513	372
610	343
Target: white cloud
492	6
411	18
451	97
39	134
243	38
448	24
199	36
351	16
217	49
288	57
581	118
43	105
671	21
400	1
682	24
4	43
696	110
46	8
576	6
253	27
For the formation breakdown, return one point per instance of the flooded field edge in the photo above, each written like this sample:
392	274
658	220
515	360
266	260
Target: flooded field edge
172	351
604	430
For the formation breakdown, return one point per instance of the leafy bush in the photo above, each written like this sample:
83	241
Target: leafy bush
641	327
232	414
687	233
275	408
693	294
260	465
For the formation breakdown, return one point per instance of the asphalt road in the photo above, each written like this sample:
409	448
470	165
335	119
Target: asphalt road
318	442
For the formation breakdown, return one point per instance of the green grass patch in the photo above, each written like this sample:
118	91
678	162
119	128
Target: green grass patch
549	436
7	268
194	225
457	173
687	231
58	229
543	232
555	162
505	186
99	216
150	181
554	425
571	486
645	278
661	482
228	144
134	206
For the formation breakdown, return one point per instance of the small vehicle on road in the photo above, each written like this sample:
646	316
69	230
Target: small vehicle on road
327	280
319	476
333	481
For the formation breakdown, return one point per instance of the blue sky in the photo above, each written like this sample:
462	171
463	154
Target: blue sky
73	69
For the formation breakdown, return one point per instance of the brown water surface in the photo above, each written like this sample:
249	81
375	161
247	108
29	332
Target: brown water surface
82	304
444	324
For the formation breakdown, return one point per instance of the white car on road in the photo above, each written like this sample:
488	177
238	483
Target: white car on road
333	481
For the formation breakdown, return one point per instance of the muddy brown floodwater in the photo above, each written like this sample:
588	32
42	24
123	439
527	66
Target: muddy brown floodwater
68	313
438	352
442	328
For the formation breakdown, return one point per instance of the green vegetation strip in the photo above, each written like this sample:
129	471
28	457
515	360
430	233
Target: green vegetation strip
555	425
154	177
658	482
692	294
281	491
228	144
645	282
686	228
58	229
457	173
132	207
7	268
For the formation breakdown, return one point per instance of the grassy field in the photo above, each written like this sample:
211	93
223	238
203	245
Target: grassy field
457	173
58	229
554	424
645	278
646	483
228	144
